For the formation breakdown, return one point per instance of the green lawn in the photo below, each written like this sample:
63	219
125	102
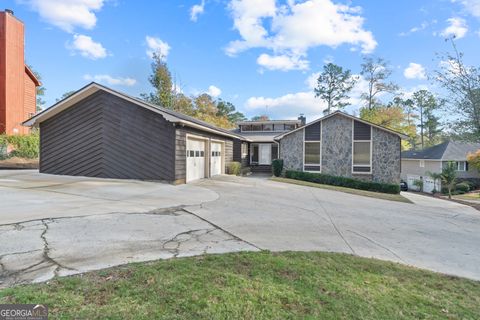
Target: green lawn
258	285
378	195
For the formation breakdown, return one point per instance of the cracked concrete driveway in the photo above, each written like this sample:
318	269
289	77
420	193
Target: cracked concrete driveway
65	225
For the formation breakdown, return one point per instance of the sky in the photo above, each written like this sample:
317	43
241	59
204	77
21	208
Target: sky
261	55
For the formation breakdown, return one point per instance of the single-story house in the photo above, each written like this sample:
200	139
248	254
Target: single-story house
99	132
417	164
343	145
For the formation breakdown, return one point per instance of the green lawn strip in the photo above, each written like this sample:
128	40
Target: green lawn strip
378	195
259	285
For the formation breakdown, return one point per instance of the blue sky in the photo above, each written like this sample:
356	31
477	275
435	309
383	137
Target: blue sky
262	55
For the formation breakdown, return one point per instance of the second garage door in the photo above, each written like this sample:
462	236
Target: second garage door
216	159
195	159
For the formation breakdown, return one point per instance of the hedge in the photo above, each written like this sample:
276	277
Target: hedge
343	182
24	146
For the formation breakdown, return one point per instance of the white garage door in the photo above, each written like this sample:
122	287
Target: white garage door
429	185
216	159
195	159
410	182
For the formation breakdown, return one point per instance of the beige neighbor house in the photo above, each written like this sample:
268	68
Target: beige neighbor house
417	164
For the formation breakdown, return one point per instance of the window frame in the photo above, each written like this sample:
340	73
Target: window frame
422	163
464	166
353	151
304	164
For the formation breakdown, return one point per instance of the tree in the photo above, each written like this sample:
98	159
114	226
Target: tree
426	104
449	177
409	110
436	177
376	72
392	117
161	80
227	109
65	95
462	83
262	117
206	110
333	86
39	90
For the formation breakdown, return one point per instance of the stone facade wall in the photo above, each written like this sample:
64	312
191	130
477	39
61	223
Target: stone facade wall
337	146
385	156
291	151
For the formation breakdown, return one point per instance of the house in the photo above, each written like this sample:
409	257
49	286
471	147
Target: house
416	165
343	145
17	82
263	149
99	132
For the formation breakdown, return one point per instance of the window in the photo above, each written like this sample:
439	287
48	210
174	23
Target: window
274	152
422	163
244	149
312	153
268	127
362	148
289	127
461	165
278	127
256	127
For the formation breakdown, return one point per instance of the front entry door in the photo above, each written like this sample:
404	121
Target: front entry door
265	154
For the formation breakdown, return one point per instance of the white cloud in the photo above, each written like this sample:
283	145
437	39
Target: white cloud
87	47
471	6
214	91
156	45
197	10
292	104
105	78
290	30
414	71
424	25
457	28
67	14
282	62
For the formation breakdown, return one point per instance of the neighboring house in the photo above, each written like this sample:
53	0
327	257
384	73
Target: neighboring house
99	132
17	82
417	164
343	145
263	149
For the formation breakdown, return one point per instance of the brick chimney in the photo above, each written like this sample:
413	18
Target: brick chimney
17	83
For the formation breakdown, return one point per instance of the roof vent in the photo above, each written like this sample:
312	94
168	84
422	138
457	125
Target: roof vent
9	11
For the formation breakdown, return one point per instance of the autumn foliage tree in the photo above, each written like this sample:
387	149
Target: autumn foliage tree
474	160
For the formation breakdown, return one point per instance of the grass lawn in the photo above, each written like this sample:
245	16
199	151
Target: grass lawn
259	285
378	195
468	196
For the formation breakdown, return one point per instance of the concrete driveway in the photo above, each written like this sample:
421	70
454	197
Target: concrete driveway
52	225
433	234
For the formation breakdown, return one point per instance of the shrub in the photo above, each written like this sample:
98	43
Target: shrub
419	184
25	146
246	171
234	168
462	187
277	167
343	182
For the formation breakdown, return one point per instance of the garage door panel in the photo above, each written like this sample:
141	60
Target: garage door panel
195	155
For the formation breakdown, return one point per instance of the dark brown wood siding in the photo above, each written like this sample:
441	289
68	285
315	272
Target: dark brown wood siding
181	145
109	137
237	152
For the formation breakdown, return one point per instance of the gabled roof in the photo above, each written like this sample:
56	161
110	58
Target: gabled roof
401	135
447	151
93	87
32	76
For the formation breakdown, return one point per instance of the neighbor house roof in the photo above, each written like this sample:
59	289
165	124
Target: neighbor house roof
447	151
168	114
269	122
401	135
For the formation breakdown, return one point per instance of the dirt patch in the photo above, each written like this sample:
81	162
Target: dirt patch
19	163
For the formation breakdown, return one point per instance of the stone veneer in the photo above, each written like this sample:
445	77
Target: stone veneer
291	151
337	146
385	156
337	151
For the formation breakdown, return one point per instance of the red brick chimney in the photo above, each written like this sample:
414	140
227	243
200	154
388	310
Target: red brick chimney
17	82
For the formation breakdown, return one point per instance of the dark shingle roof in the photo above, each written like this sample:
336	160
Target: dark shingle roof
450	150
